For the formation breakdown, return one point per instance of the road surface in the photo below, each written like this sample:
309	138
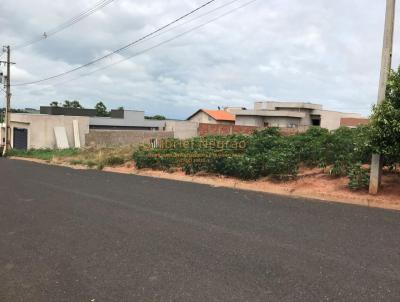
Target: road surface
69	235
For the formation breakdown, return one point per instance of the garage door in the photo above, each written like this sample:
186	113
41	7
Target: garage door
20	138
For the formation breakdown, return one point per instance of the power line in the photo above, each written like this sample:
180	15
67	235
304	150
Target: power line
118	50
163	42
66	24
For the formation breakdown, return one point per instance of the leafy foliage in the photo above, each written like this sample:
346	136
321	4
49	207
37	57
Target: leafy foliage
72	104
156	117
101	109
358	177
265	153
385	121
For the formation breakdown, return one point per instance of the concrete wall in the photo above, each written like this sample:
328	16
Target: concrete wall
67	111
283	122
331	119
248	120
102	138
271	105
132	118
271	121
182	129
41	128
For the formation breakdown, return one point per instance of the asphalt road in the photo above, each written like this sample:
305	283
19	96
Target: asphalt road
68	235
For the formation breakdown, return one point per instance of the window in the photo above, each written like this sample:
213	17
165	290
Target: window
316	122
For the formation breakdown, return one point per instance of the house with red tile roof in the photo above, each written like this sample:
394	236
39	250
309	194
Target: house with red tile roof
206	116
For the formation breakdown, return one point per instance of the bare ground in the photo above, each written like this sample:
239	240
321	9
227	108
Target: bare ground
314	184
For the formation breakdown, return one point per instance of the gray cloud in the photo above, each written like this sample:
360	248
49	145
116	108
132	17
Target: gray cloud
318	51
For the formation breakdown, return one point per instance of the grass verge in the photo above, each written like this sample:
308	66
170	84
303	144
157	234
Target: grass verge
44	154
90	157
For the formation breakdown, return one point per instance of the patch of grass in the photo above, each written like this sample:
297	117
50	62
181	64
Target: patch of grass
44	154
90	157
113	161
75	162
90	163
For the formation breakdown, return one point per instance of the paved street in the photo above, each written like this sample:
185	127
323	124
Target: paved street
69	235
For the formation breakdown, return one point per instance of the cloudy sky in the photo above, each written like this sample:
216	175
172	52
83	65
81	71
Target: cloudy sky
321	51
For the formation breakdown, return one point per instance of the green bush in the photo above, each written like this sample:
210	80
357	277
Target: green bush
265	153
385	122
358	177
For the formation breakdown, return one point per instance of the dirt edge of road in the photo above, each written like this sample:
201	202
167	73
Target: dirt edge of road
311	184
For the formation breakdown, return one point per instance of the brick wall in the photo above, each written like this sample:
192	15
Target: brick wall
218	129
101	138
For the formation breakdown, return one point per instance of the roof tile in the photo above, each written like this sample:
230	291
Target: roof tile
220	115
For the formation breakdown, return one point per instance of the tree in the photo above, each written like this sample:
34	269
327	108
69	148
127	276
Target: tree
101	109
54	104
121	108
385	121
156	117
72	104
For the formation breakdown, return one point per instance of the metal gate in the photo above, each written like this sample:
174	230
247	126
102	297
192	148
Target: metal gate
20	138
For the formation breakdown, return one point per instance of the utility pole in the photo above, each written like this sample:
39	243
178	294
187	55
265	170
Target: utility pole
7	87
386	64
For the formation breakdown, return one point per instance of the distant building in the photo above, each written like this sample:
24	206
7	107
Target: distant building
290	115
212	117
126	120
52	110
81	127
37	131
118	119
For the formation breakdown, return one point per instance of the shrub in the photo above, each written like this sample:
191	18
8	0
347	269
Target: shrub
358	177
266	153
312	146
244	167
385	121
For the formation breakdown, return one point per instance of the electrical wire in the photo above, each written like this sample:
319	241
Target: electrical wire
120	49
66	24
161	43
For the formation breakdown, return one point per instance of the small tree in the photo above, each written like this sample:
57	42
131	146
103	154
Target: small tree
54	104
72	104
385	121
76	104
156	117
101	109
